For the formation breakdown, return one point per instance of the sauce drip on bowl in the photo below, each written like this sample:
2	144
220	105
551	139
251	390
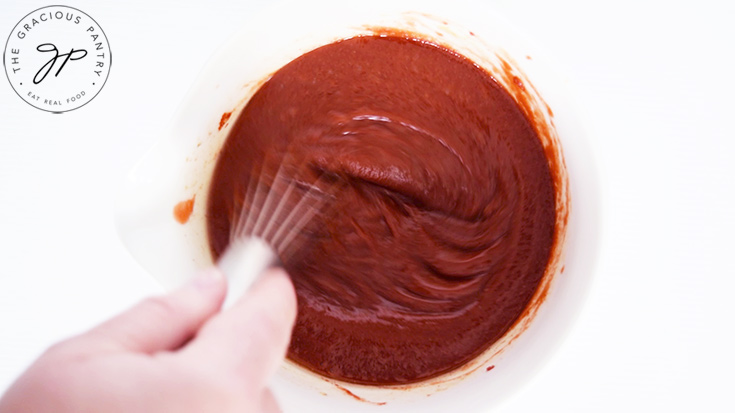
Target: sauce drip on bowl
441	234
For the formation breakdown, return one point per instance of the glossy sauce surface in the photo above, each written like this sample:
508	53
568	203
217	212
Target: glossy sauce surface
442	229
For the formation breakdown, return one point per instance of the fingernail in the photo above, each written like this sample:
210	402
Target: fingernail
207	279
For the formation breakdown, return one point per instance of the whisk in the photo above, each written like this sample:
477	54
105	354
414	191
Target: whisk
264	229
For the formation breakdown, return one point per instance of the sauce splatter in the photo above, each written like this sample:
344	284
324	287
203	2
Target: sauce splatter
490	368
518	82
356	397
182	210
223	120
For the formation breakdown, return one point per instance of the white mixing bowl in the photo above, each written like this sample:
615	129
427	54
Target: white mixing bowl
179	168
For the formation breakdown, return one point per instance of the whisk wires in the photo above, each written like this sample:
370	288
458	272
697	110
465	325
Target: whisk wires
278	209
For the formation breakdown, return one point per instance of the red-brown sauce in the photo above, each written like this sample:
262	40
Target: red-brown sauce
442	232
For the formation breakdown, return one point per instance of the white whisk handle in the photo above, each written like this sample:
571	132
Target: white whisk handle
242	263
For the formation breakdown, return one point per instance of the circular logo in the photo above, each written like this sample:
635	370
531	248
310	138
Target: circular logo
57	58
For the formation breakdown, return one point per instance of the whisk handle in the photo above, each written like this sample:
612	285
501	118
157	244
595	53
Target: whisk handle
243	261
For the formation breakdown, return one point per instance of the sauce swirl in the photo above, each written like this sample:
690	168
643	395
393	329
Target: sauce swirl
444	228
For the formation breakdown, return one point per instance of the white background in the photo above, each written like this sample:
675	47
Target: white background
655	78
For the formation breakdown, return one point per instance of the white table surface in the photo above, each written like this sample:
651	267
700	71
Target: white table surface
656	80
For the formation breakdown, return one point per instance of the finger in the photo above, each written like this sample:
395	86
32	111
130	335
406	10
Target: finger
165	322
268	402
250	339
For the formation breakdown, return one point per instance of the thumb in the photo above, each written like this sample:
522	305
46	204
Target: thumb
162	323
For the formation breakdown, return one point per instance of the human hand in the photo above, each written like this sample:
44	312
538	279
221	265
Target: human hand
175	353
